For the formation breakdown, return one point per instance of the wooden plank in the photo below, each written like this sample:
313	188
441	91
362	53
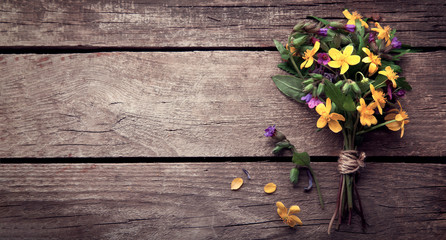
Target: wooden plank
194	201
159	24
187	104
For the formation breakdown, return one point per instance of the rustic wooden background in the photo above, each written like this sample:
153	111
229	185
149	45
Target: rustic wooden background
87	80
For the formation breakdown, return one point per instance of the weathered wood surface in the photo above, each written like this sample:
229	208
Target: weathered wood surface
187	104
159	24
194	201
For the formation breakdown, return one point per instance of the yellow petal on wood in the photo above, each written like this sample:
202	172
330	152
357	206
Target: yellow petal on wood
236	183
270	188
293	220
294	209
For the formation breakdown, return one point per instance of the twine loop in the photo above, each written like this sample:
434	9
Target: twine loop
350	161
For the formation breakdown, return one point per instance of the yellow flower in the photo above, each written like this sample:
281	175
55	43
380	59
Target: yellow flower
383	33
344	59
374	61
366	113
352	17
390	74
401	119
379	98
327	117
308	56
286	216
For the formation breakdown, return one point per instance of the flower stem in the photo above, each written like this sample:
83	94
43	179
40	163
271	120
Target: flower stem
375	127
355	127
295	67
329	68
357	74
321	200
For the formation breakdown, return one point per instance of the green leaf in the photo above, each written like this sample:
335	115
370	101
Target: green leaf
402	83
287	68
344	102
290	86
281	145
320	20
349	104
361	45
299	40
337	41
379	80
359	28
394	67
284	53
397	57
294	175
301	159
392	33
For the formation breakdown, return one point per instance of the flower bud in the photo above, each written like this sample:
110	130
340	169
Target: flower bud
308	81
324	46
365	80
308	88
298	27
314	91
316	76
356	88
300	40
279	136
311	28
373	46
345	40
346	87
320	89
339	84
336	24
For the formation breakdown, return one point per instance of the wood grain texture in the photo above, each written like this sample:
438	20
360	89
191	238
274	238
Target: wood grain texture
187	104
194	201
159	24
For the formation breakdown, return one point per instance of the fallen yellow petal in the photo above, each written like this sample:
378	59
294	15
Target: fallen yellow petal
236	183
270	188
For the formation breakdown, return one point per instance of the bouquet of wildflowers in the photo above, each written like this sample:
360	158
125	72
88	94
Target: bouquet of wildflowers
349	73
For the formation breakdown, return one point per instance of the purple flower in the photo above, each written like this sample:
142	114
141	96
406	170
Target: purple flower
323	58
389	90
314	40
395	43
330	76
306	98
322	32
350	27
314	102
319	70
270	131
401	93
332	28
372	37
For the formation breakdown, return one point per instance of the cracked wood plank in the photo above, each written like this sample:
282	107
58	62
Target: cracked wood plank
187	104
194	201
160	24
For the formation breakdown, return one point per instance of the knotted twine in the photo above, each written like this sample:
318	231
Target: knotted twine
350	161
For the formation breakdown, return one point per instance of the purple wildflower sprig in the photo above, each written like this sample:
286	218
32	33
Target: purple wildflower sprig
302	160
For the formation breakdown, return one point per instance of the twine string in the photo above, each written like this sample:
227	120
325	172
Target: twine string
350	161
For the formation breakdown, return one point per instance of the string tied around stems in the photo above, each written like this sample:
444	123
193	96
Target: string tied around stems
350	161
